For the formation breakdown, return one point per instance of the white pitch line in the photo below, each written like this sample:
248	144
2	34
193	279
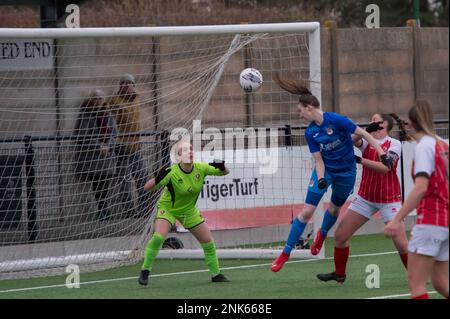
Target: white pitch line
188	272
396	296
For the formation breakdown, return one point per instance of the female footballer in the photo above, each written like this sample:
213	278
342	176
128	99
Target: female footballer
379	191
329	138
428	247
183	182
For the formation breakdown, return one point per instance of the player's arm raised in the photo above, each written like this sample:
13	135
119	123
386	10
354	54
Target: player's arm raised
220	164
372	127
226	171
388	162
357	140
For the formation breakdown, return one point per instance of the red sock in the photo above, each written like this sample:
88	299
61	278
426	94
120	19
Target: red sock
340	260
285	255
424	296
404	258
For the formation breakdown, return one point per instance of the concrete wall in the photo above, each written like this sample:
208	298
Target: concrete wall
363	71
433	69
375	71
384	70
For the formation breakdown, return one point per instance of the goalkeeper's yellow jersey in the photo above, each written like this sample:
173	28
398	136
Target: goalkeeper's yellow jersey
182	189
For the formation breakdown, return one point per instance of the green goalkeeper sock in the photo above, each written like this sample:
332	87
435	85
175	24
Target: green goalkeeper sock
211	259
152	250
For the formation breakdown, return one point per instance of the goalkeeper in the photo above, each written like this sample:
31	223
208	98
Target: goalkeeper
183	182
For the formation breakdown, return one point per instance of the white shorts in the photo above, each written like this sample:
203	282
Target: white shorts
367	209
429	240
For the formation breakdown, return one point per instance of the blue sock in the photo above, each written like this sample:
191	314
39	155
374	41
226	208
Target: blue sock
328	222
297	229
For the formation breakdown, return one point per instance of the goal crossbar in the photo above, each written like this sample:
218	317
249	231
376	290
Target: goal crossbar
55	33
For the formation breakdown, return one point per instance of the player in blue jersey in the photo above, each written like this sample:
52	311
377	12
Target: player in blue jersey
329	138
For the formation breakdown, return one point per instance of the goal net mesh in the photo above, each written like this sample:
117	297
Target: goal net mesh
77	145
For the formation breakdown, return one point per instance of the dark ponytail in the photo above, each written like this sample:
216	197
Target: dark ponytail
298	88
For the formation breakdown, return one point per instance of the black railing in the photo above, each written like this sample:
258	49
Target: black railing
159	148
34	154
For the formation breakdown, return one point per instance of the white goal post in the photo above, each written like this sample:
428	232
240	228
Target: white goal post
53	215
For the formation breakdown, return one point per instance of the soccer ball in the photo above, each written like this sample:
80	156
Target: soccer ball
250	80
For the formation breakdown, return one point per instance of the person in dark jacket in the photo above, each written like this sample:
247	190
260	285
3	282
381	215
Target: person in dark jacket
96	133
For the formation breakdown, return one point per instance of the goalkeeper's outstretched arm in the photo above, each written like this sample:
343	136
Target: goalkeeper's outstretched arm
151	184
220	165
226	171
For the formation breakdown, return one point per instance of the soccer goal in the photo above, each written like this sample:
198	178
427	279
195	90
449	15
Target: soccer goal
88	115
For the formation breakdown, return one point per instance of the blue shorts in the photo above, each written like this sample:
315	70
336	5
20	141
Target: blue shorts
342	185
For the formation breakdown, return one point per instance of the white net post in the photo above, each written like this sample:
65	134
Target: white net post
316	89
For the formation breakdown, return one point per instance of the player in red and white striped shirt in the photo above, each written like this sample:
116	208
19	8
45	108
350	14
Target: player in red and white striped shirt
428	247
379	191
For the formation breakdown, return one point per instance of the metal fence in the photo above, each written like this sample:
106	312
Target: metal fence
58	204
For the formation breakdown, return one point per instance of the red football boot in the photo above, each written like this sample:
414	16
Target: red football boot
317	244
279	262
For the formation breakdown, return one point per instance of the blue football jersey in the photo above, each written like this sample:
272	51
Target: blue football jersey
333	139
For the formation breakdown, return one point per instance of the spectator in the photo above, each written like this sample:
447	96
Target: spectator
125	107
96	133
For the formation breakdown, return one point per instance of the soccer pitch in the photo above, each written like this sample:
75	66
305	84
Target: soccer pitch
189	279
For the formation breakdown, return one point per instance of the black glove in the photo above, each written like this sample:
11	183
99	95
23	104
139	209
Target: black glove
358	159
322	183
161	174
387	161
218	164
373	127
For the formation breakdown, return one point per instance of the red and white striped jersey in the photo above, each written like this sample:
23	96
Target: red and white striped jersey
431	158
377	187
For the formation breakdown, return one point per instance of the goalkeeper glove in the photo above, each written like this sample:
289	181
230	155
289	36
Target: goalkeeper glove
374	126
387	161
218	164
161	174
322	183
358	159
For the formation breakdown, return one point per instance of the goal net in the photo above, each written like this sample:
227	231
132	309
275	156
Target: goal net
87	116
